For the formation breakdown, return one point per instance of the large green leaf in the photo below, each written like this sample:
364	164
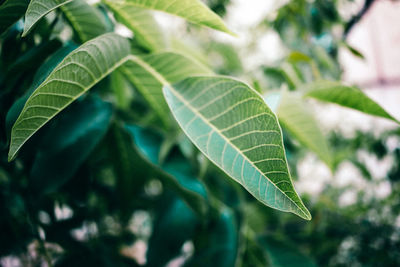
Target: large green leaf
10	12
74	76
37	9
142	23
151	72
294	116
346	96
191	10
85	19
231	124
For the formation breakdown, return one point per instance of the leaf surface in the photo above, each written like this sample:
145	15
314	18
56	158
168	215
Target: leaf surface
231	124
37	9
85	19
346	96
191	10
151	72
141	22
294	115
74	76
10	12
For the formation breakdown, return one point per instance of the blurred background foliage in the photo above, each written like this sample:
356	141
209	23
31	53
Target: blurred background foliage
109	187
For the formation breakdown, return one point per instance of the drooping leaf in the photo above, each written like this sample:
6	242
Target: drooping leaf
346	96
74	76
68	143
151	72
37	9
85	19
175	171
231	124
191	10
10	12
294	115
141	22
281	254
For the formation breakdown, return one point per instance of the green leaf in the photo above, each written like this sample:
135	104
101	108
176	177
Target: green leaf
73	77
346	96
85	19
141	22
191	10
68	143
282	254
151	72
175	171
233	126
294	115
37	9
10	12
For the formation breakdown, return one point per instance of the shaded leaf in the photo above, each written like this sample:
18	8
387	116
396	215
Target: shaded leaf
346	96
37	9
231	124
141	22
10	12
191	10
85	19
74	76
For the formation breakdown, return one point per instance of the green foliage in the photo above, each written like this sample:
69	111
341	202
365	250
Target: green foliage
116	142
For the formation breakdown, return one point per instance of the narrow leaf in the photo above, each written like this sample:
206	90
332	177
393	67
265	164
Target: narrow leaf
37	9
294	115
191	10
142	23
10	12
231	124
151	72
74	76
85	19
346	96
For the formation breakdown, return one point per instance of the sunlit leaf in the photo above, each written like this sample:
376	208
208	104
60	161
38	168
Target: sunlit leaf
85	19
151	72
37	9
74	76
191	10
294	116
141	22
231	124
346	96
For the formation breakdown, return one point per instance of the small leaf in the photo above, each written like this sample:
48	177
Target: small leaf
294	115
191	10
141	22
231	124
85	19
37	9
73	77
151	72
282	254
346	96
10	12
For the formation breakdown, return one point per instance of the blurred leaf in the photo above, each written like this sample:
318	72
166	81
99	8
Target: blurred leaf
151	72
175	171
10	12
174	226
37	9
121	88
74	76
284	255
353	50
141	22
347	96
68	143
85	19
231	124
294	115
191	10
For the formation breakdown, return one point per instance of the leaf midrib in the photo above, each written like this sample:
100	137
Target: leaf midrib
229	142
